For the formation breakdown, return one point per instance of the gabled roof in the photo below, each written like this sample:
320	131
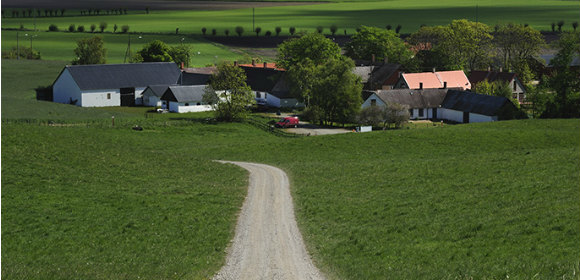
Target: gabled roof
454	79
281	89
156	90
479	76
115	76
426	98
262	79
377	75
197	76
466	101
184	93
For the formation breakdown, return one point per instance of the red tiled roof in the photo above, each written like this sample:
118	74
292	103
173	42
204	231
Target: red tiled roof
261	65
454	79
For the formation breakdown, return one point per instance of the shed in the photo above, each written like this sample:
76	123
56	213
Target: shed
184	99
469	107
152	95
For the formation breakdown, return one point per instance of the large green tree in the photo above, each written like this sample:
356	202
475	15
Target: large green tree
517	44
155	51
228	93
90	51
381	43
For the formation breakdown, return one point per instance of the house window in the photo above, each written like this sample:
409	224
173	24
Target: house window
515	85
186	104
373	102
411	113
258	94
420	112
108	96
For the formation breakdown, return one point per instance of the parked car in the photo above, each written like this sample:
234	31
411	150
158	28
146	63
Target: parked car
288	122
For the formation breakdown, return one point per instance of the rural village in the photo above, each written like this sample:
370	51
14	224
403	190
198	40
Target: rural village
170	140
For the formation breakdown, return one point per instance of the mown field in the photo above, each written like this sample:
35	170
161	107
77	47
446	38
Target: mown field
85	200
346	15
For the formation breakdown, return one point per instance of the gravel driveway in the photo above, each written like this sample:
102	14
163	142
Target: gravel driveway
267	243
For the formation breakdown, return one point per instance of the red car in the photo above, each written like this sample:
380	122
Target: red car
288	122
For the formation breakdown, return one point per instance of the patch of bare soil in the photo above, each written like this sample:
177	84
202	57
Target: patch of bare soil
267	244
142	4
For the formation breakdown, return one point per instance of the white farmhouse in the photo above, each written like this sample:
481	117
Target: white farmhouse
423	104
111	84
185	99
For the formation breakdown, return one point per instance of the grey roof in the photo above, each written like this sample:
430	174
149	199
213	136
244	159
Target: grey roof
414	98
184	93
194	78
281	89
364	72
466	101
376	75
114	76
156	90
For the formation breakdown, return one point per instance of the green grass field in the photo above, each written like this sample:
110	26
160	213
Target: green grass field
60	45
346	15
482	201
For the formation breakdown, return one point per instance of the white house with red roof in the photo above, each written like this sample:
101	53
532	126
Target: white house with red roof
440	79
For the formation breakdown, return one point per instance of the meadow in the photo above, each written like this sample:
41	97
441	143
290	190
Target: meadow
346	15
87	200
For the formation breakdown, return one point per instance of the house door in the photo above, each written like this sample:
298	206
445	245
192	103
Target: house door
128	96
465	117
434	116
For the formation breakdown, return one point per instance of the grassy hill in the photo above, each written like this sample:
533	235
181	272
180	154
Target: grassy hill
82	199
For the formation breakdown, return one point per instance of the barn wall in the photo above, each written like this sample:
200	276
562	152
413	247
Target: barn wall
65	88
451	115
475	118
178	107
98	98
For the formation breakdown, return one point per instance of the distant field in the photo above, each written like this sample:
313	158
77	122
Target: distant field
84	200
60	45
346	15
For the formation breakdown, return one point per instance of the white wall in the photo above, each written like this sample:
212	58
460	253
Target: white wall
152	101
178	107
65	88
98	98
450	115
273	101
368	102
139	95
475	118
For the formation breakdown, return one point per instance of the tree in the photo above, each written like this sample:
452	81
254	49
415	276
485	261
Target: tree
115	27
560	24
395	114
125	28
300	56
93	27
81	28
258	30
292	30
155	51
71	28
102	26
517	44
381	43
278	29
227	32
53	28
180	54
268	33
90	51
213	32
319	29
398	29
239	30
575	25
228	93
333	29
203	30
372	115
483	87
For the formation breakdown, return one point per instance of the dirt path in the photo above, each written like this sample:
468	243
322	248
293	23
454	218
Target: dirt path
267	244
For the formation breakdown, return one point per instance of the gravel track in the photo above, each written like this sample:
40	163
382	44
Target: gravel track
267	243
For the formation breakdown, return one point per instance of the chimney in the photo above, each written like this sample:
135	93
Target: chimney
434	70
444	84
265	65
181	65
253	63
373	59
420	85
235	63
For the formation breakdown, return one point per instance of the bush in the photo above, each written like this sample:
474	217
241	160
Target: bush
333	29
22	52
268	33
319	29
395	114
239	30
313	114
125	28
372	115
81	28
389	27
71	28
53	27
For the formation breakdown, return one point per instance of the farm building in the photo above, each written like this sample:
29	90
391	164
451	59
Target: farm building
268	85
469	107
442	79
185	99
378	76
152	95
518	90
197	76
111	84
423	104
